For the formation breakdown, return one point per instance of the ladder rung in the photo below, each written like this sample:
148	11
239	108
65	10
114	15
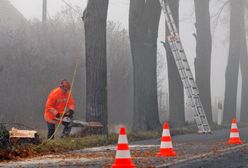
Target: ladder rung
198	106
184	69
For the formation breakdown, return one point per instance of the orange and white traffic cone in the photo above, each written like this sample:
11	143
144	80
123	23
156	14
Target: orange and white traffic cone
234	134
166	148
123	157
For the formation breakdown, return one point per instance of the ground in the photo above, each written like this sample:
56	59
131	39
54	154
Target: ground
193	150
235	158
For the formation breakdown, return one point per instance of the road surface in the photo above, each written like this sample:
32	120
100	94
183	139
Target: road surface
193	150
236	158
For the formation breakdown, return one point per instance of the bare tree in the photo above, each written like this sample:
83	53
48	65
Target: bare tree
176	91
243	65
44	11
203	55
144	18
236	49
95	16
120	98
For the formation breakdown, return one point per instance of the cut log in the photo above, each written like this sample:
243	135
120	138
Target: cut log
19	137
15	133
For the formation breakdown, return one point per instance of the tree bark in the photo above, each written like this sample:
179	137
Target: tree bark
176	90
143	31
243	66
95	16
232	68
203	55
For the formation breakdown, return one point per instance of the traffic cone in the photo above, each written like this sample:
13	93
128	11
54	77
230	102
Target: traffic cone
234	134
166	148
123	157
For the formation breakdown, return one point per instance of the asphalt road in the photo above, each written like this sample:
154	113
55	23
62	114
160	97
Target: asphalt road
219	135
233	159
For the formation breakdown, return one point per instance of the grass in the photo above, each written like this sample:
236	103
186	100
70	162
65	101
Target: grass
77	143
71	143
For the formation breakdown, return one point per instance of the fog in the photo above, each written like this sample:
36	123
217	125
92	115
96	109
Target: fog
34	58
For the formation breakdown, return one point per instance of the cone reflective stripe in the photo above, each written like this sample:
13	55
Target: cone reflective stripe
166	148
234	125
123	154
122	139
234	134
166	145
166	132
123	157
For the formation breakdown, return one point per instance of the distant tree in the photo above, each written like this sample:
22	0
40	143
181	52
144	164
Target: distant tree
176	90
236	49
120	87
203	54
95	16
243	65
144	18
44	11
39	60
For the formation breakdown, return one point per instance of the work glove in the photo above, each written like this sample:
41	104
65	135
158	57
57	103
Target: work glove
69	113
58	115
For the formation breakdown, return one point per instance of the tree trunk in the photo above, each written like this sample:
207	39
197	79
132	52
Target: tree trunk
232	68
143	31
44	11
95	16
176	91
203	55
243	67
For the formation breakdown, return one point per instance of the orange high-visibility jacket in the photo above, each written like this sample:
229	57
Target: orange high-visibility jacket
56	103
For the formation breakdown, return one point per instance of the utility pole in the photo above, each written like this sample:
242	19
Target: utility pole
44	11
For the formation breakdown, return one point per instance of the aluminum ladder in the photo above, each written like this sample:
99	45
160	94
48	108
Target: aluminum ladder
184	70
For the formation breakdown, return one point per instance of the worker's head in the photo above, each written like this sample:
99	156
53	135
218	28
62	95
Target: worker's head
65	85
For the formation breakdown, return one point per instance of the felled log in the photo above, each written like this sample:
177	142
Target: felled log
15	133
17	136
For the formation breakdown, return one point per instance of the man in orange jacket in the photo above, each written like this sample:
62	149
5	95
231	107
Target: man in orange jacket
55	107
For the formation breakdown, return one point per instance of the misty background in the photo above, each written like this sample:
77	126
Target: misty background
33	62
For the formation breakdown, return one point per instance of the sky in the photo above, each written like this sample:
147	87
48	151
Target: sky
33	8
118	12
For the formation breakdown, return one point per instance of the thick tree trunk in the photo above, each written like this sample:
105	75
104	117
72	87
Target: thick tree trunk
143	31
243	67
203	55
176	91
95	16
232	68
